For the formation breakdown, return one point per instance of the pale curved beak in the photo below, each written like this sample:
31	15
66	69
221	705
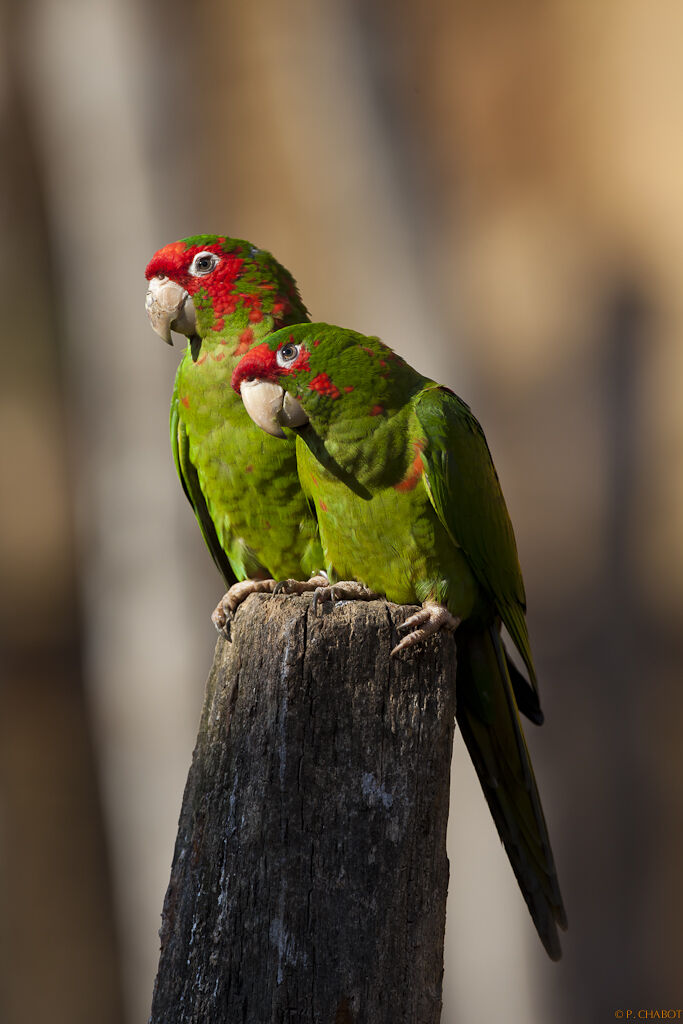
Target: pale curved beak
170	308
271	407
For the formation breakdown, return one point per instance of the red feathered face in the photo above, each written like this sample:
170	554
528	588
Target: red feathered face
213	266
264	363
222	276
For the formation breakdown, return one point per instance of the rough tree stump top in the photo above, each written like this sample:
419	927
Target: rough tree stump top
310	874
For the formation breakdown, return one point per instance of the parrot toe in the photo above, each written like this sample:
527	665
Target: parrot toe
238	593
346	590
220	617
300	586
430	619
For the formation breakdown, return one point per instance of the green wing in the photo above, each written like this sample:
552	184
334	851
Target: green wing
192	487
463	487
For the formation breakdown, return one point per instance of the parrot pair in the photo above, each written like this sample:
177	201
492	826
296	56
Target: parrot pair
354	463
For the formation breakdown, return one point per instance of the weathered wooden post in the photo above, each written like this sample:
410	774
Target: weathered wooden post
310	873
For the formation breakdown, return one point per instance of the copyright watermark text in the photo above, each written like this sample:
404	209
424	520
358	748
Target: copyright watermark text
634	1015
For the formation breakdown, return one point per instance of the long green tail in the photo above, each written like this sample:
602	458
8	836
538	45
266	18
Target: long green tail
488	718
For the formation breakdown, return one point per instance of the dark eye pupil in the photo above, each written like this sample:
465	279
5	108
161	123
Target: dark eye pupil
204	263
288	351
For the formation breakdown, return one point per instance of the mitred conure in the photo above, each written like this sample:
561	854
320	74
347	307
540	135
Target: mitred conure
225	295
409	506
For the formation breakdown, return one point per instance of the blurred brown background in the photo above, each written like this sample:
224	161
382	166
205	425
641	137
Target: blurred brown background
497	190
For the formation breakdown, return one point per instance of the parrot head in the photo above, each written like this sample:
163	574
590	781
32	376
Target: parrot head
316	373
196	284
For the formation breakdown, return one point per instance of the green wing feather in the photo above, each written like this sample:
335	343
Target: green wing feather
463	487
192	487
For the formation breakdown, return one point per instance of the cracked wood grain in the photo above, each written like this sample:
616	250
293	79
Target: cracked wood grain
310	873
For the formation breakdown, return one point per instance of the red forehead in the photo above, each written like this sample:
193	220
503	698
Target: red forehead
258	364
174	261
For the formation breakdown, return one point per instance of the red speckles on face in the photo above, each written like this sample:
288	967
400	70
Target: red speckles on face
349	387
415	470
222	286
249	468
377	410
324	386
302	364
255	316
322	506
252	302
186	402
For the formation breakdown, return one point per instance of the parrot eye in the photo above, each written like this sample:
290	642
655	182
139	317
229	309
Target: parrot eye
287	354
203	263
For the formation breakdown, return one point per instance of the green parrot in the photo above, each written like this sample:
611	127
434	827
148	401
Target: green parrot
409	506
226	295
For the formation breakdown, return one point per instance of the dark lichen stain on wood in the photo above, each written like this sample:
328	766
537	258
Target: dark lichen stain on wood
311	857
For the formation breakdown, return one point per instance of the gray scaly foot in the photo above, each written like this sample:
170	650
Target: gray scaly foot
238	592
345	590
430	619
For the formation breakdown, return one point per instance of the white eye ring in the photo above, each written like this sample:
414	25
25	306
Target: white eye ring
288	354
203	263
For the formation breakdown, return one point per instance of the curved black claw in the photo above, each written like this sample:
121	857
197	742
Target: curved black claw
321	594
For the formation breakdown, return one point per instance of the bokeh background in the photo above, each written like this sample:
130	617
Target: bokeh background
494	187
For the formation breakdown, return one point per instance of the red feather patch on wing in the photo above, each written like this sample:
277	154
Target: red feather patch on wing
415	470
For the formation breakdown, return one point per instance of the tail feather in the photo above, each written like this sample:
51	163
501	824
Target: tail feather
525	696
488	719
